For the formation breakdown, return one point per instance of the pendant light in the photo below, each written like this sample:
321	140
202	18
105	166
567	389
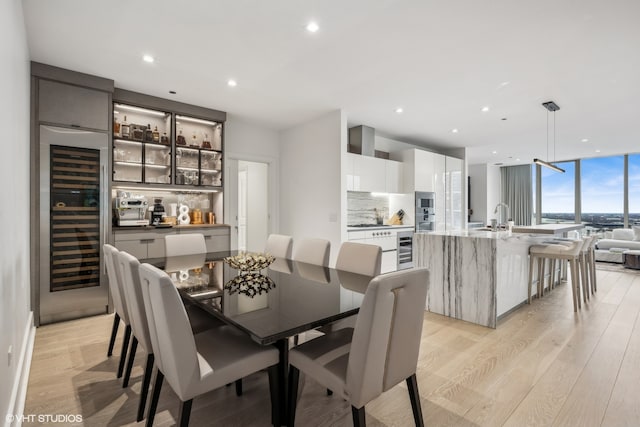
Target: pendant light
551	107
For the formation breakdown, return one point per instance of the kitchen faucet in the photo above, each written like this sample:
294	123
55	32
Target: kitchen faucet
498	206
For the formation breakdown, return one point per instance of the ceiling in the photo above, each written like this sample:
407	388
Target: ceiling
441	61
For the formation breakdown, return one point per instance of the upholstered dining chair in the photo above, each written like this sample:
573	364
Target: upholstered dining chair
359	258
194	365
184	244
129	266
313	251
119	305
279	245
360	364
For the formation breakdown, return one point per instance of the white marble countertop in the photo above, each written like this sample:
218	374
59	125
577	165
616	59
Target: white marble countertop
382	227
547	228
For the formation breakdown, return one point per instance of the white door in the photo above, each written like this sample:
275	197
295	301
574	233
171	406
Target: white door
242	207
249	204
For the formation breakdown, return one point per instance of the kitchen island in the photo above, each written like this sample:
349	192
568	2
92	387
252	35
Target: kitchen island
476	276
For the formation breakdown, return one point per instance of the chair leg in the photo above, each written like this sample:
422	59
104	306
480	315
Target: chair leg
154	398
239	387
358	417
185	412
114	332
294	376
541	262
593	270
531	260
145	386
123	353
573	286
583	275
132	356
274	392
414	395
552	274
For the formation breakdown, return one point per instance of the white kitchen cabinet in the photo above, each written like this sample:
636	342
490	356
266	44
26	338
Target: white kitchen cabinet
441	175
394	176
453	194
365	173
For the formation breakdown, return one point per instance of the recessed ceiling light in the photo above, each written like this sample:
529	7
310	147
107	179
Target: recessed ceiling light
597	151
503	84
454	130
399	110
148	58
494	152
585	140
485	109
503	119
517	160
172	92
312	27
232	83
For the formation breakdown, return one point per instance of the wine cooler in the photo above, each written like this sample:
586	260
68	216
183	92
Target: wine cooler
73	220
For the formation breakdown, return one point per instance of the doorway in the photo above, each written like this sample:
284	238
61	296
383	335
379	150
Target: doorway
249	204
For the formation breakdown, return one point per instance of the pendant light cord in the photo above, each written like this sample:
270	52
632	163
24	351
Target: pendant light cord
547	136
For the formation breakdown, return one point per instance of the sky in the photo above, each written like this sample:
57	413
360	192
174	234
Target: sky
602	186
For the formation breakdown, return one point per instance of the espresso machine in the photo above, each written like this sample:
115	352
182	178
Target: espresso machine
131	211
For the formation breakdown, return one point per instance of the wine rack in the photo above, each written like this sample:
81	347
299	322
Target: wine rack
75	218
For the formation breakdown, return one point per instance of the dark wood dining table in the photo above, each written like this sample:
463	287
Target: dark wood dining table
270	305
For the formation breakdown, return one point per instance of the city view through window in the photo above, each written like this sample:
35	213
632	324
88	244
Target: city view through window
602	193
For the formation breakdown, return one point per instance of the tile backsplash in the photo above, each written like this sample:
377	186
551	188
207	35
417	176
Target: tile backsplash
362	207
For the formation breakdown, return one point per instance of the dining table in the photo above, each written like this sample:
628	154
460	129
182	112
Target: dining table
270	305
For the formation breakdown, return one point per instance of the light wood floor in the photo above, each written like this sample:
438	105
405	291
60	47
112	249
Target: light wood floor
543	365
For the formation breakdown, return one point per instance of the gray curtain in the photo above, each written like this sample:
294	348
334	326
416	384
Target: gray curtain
517	192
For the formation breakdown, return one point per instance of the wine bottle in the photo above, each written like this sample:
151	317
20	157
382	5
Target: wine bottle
125	129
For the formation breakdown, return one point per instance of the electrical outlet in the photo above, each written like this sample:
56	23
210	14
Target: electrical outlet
10	355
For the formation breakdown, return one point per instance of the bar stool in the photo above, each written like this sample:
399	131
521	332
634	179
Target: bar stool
569	251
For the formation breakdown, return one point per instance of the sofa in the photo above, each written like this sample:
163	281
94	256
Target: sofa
612	248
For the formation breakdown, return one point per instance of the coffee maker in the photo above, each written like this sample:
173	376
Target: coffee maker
158	214
131	211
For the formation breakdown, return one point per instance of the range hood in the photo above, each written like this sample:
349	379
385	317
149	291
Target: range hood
362	140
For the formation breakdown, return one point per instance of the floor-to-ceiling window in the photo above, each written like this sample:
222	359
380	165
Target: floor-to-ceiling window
558	194
634	189
602	185
603	193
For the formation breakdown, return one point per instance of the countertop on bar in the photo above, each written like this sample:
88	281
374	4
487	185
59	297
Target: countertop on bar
547	228
117	228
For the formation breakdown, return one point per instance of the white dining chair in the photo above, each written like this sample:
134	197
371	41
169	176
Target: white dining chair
193	366
359	258
119	305
279	246
313	251
184	244
381	351
129	266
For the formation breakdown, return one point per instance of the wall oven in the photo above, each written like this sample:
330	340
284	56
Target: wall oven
425	211
405	249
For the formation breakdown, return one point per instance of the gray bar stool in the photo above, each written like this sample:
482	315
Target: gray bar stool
566	251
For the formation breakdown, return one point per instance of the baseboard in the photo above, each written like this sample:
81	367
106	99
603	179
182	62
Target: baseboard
19	389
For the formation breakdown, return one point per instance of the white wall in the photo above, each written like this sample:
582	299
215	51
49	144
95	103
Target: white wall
15	308
485	191
312	184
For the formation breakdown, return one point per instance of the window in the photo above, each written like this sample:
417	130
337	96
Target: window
558	194
634	189
602	187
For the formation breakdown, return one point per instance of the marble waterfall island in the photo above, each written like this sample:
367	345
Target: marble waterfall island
476	276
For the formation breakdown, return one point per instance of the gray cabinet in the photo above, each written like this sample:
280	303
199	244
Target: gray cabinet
73	106
145	244
216	239
142	244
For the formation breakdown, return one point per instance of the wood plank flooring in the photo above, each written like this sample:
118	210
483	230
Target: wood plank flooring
542	366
